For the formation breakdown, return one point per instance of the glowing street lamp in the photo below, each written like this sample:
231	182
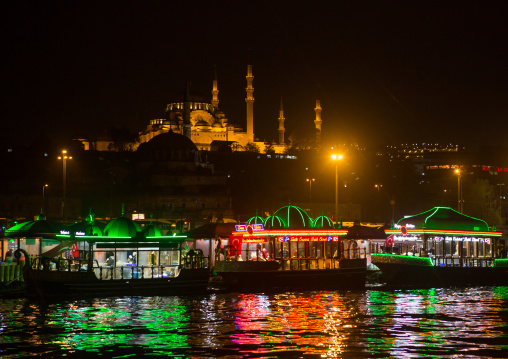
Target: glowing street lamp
64	157
459	189
336	158
43	189
310	180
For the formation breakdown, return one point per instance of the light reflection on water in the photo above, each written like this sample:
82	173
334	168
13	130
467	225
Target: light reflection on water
470	322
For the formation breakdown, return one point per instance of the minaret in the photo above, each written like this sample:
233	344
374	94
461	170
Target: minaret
250	104
318	120
281	124
187	126
215	91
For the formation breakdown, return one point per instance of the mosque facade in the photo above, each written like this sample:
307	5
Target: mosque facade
207	126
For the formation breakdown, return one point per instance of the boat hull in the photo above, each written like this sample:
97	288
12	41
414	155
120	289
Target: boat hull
401	273
80	283
265	277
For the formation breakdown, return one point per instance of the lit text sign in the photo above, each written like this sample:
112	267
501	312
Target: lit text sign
257	227
406	238
250	227
308	238
65	232
492	168
463	239
254	240
407	225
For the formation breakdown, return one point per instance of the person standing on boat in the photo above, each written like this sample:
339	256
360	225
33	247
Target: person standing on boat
8	256
110	262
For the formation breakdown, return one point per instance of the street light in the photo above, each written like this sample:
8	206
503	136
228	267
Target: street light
310	180
459	189
43	188
64	157
378	201
336	158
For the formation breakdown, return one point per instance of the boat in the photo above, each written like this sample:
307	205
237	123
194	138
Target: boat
33	236
441	248
290	251
125	260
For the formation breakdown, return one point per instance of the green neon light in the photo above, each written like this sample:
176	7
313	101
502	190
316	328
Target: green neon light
302	232
167	237
397	258
271	219
450	232
430	215
434	210
500	262
256	219
321	220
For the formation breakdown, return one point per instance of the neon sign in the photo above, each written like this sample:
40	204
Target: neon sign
307	238
491	168
254	240
257	227
407	225
241	228
406	238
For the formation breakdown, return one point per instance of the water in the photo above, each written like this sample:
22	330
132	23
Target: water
445	323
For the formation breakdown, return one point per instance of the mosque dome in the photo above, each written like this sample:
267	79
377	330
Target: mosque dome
89	227
152	230
294	217
323	222
216	124
122	227
202	125
255	220
274	222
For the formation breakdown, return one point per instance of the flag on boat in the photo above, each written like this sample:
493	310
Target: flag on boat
75	250
389	240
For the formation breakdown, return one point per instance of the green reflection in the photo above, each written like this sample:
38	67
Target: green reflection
91	328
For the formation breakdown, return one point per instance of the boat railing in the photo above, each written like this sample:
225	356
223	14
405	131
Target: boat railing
295	262
60	264
135	272
402	249
454	261
438	260
129	271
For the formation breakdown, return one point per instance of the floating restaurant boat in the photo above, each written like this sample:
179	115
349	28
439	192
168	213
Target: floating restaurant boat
290	251
33	236
441	247
125	260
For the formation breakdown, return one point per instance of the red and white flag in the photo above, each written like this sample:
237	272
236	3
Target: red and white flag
389	240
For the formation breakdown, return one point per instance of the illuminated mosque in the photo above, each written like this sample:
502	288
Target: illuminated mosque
205	124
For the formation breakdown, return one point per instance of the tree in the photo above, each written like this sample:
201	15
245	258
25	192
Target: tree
251	147
122	138
480	201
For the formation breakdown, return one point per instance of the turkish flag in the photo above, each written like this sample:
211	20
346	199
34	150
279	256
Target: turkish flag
75	250
235	241
389	240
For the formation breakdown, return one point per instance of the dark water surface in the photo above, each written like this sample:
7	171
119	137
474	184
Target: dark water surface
452	323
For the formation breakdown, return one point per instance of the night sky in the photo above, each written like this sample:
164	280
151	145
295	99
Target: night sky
385	72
